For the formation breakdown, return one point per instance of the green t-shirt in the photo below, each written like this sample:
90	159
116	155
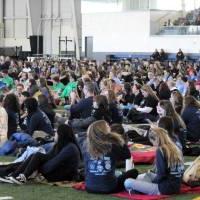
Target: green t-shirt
8	81
68	89
58	87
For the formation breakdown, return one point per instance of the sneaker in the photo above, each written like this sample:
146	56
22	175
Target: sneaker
21	179
5	180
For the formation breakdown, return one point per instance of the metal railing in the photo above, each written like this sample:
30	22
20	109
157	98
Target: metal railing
179	30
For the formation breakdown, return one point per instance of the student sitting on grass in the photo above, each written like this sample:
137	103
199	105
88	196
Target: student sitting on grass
36	119
147	108
118	128
11	105
165	108
191	117
100	112
169	168
60	164
102	150
167	124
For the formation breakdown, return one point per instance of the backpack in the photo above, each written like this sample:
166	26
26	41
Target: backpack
192	174
135	116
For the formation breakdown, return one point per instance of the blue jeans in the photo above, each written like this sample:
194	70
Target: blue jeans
143	184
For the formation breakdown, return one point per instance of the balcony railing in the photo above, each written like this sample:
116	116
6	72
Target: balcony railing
179	30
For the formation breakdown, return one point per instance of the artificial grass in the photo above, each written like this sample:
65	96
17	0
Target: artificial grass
45	192
33	191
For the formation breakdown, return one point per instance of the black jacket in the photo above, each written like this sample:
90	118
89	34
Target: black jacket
81	125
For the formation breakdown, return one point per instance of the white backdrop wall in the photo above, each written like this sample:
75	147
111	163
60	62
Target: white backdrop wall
130	32
112	32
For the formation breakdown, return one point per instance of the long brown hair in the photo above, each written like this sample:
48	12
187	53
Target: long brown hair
100	139
191	101
177	101
170	112
102	102
111	96
149	90
167	146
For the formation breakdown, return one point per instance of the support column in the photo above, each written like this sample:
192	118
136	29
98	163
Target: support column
183	7
76	21
1	24
35	12
1	11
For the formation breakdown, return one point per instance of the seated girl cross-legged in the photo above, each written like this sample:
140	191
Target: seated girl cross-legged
102	149
169	168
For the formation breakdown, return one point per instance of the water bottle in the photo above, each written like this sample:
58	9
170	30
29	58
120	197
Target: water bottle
129	164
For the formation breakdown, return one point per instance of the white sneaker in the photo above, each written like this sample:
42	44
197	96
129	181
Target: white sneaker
20	180
5	180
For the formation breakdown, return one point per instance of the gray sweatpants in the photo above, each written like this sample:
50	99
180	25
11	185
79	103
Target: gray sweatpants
143	184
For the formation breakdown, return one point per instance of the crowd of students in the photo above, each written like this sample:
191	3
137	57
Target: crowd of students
98	99
192	18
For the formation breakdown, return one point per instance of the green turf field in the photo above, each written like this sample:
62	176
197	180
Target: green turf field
34	191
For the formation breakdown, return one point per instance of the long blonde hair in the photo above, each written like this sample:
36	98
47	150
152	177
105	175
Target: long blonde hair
100	139
172	153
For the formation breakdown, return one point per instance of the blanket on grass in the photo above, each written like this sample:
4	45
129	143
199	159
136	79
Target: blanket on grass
125	195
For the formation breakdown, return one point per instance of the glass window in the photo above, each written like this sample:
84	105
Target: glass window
192	4
92	6
169	4
95	6
177	4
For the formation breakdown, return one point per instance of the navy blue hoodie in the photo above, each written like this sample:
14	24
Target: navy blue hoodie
39	121
191	117
100	173
168	179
